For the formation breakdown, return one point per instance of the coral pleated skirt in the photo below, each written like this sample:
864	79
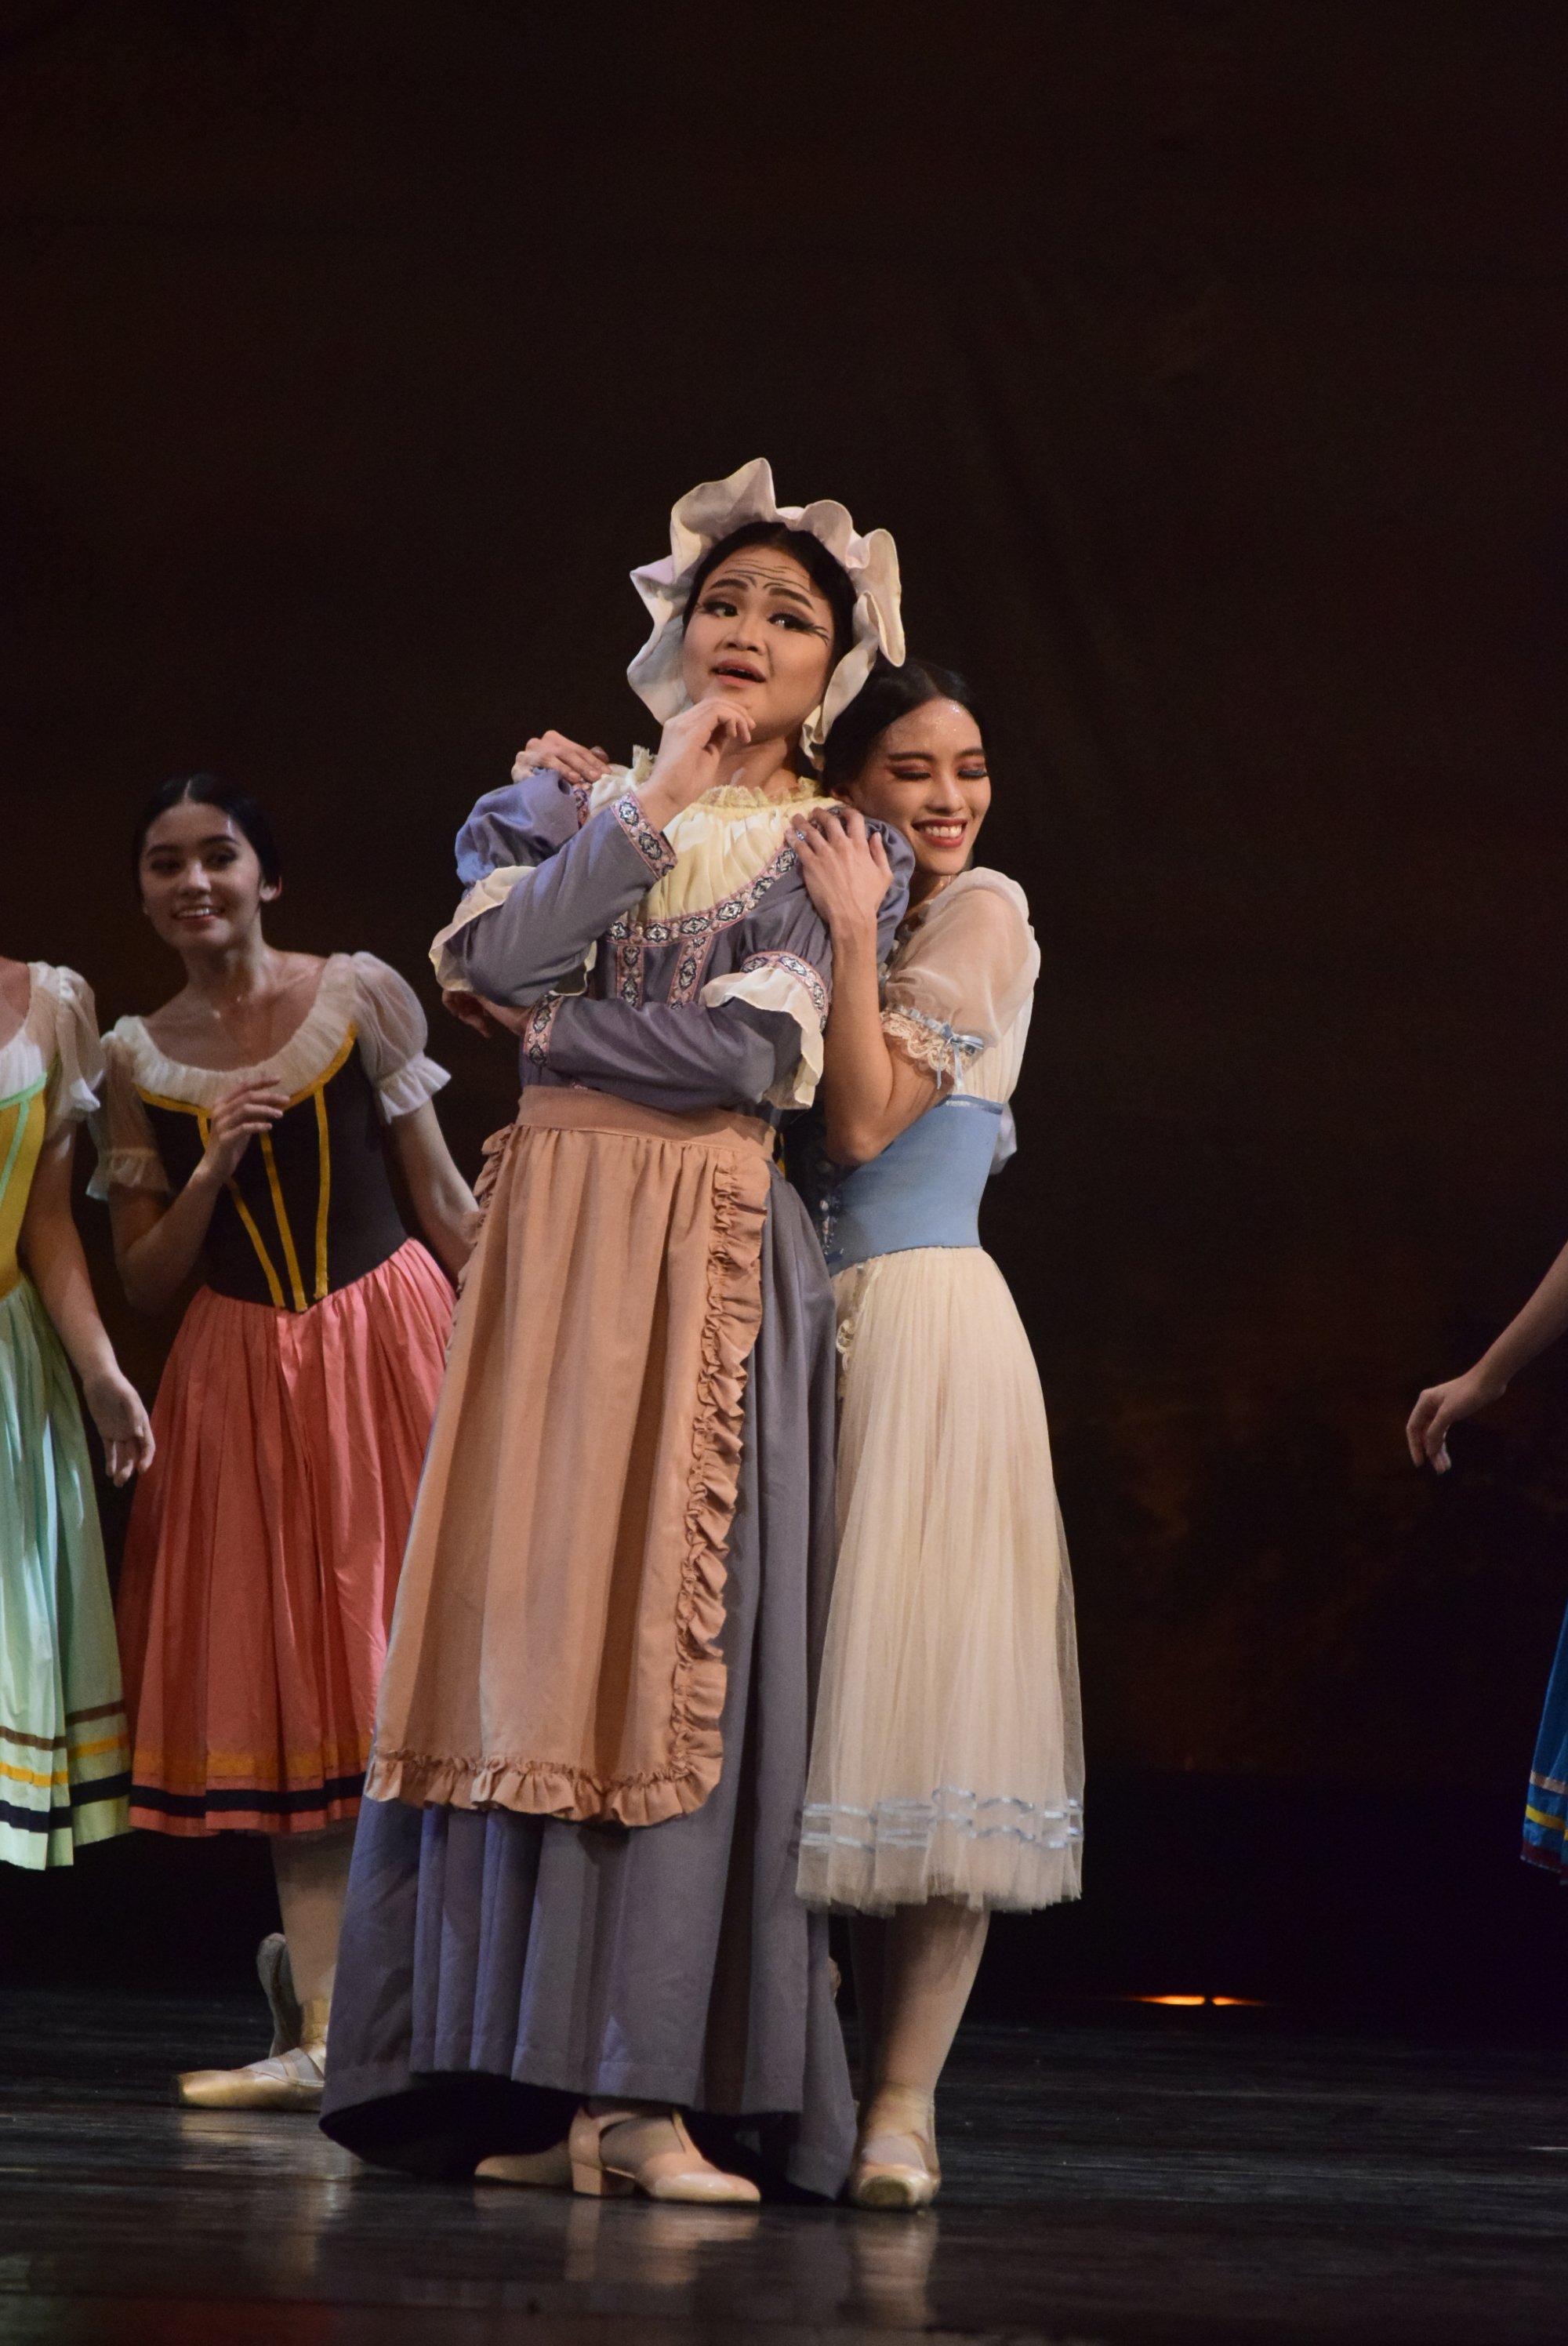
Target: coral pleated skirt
263	1559
947	1757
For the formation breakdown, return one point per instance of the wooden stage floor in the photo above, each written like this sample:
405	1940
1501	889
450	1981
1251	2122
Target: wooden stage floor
1131	2179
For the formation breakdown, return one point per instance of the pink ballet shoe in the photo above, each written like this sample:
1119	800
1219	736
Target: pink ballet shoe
544	2170
680	2174
895	2156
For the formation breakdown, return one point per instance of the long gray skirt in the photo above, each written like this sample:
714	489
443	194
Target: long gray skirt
495	1968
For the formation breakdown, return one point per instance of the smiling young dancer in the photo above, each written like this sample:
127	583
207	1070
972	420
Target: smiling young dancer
571	1910
946	1774
64	1752
248	1128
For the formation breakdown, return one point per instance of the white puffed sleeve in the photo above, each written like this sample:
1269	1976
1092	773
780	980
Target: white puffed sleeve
128	1155
75	1055
392	1036
967	971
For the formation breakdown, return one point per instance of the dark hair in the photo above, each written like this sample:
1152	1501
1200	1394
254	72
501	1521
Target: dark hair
206	790
825	571
888	694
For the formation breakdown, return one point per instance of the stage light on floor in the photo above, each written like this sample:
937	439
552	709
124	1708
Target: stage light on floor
1215	2002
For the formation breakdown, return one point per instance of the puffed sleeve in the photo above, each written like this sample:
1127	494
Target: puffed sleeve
76	1061
786	971
392	1036
964	974
128	1155
548	866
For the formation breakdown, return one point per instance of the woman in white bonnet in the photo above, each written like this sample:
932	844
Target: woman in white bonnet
571	1921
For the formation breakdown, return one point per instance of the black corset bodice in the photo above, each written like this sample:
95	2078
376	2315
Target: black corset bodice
310	1208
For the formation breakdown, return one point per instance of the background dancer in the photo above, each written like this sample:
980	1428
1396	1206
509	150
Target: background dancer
65	1757
249	1124
947	1769
601	1680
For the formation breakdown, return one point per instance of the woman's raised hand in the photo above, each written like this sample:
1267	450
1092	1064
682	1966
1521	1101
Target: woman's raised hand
845	868
691	756
117	1409
1442	1406
564	757
252	1108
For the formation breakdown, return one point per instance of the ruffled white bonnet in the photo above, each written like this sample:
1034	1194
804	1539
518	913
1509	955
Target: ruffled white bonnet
707	513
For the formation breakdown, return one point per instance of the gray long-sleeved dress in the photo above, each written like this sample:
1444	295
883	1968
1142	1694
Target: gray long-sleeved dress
496	1967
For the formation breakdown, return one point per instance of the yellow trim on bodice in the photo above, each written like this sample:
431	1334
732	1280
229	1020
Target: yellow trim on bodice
22	1120
296	1298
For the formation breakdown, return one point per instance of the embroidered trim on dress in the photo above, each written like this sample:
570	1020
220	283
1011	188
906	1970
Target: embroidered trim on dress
536	1030
650	842
808	975
931	1042
631	938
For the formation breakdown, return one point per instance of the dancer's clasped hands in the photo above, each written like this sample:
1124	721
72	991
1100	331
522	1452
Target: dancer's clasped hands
242	1113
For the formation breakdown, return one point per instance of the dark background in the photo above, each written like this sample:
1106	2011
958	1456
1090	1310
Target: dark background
1206	361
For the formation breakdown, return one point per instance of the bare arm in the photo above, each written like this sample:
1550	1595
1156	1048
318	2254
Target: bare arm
1541	1320
870	1092
51	1250
158	1241
443	1201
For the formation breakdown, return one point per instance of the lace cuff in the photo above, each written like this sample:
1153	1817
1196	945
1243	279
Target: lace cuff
931	1042
125	1168
783	981
483	897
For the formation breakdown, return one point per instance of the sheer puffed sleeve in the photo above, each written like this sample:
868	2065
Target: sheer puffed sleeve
76	1058
547	868
392	1036
964	976
128	1155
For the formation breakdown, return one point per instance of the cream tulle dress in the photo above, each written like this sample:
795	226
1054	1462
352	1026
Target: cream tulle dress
947	1761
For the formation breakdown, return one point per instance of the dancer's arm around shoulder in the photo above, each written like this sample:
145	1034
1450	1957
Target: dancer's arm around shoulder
957	983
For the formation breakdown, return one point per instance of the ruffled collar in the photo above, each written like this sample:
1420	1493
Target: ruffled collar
312	1045
732	798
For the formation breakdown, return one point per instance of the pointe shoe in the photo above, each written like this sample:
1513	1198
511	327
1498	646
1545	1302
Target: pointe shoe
545	2171
681	2174
895	2159
291	2080
277	1978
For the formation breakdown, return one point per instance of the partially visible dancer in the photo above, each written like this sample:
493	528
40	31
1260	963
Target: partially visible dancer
572	1926
65	1756
249	1124
1542	1320
946	1776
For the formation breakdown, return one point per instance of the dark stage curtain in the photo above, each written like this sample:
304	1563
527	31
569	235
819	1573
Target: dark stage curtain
1207	361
